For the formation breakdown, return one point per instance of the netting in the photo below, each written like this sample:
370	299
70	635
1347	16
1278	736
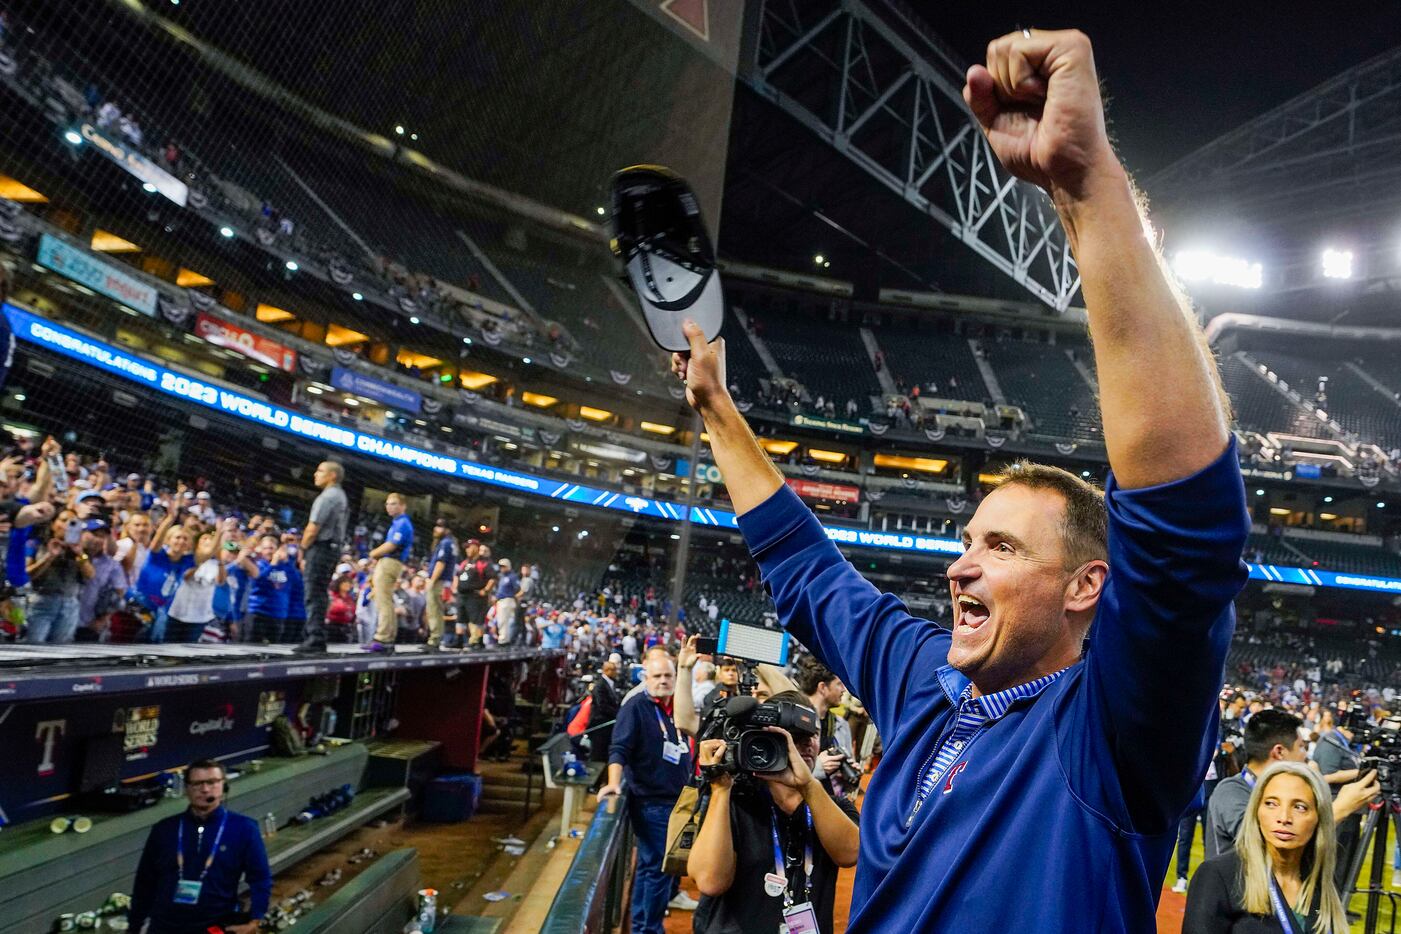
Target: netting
280	215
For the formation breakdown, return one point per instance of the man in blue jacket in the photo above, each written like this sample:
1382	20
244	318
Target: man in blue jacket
1028	785
189	873
655	758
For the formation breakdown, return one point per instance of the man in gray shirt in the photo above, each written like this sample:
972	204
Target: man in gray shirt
321	545
1270	736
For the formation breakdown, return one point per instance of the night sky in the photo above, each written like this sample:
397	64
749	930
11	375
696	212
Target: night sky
1181	74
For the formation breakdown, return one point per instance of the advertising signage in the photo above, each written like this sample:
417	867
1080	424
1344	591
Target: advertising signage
377	389
221	333
105	278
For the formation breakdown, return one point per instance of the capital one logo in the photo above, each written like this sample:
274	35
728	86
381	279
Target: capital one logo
220	724
48	732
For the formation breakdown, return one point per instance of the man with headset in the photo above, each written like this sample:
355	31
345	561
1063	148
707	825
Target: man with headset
188	877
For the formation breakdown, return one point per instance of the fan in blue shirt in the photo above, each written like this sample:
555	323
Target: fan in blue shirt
1039	755
401	537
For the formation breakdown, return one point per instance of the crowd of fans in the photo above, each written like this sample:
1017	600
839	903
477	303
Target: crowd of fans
111	556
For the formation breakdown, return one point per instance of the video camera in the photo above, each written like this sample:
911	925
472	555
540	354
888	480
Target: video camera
742	720
1382	743
749	746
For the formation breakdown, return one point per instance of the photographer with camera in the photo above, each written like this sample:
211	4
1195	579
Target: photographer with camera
837	758
1035	727
649	751
1338	762
770	843
1273	736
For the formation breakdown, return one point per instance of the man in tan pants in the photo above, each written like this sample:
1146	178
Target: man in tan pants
440	570
390	556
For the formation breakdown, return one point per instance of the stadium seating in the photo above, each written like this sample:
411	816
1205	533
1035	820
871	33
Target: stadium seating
826	356
918	355
1327	553
742	362
1044	383
1351	401
398	226
1261	408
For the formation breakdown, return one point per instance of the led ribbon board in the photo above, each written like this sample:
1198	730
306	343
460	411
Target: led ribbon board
77	346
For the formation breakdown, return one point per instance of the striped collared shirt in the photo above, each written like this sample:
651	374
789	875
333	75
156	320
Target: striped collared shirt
972	715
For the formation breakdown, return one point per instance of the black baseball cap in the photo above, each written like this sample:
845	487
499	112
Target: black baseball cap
660	236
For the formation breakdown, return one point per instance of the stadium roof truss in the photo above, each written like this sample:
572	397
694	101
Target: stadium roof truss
1328	152
859	81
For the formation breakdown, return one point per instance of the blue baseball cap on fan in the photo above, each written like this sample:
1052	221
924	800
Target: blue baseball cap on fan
660	236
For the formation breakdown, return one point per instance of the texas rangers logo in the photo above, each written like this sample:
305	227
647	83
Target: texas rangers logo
948	782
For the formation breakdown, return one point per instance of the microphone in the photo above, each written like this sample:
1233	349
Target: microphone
740	707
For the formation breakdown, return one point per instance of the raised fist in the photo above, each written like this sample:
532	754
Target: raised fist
1037	100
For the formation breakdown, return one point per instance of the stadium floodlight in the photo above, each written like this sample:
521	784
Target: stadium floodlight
525	360
413	136
1206	266
226	232
399	130
73	138
20	397
819	259
292	265
357	296
1328	499
1337	264
467	340
1259	492
413	319
148	188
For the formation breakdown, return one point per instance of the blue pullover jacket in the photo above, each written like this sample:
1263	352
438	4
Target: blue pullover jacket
1063	816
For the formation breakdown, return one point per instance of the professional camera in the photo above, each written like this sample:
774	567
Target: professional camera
850	774
1382	743
749	747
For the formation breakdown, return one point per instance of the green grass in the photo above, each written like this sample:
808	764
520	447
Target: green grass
1358	902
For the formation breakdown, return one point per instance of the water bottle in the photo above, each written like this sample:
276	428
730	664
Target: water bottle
269	824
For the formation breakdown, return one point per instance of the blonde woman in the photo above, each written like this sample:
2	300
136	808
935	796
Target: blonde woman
1279	877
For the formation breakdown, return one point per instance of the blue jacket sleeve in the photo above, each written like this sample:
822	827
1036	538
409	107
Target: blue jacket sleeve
258	873
623	730
1138	736
866	637
143	890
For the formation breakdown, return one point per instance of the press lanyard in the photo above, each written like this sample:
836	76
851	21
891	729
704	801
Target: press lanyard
180	848
780	861
1285	917
661	723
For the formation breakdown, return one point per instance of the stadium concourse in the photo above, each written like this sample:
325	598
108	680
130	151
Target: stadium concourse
343	481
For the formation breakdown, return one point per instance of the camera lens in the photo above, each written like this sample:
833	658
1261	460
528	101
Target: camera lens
760	751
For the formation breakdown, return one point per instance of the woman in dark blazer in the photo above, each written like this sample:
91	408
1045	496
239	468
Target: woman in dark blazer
1279	877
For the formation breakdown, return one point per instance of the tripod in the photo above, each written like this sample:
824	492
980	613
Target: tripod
1374	831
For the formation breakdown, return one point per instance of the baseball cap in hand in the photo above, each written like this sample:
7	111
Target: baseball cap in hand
659	235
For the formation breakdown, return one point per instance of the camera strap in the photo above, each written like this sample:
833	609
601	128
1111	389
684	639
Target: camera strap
780	859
